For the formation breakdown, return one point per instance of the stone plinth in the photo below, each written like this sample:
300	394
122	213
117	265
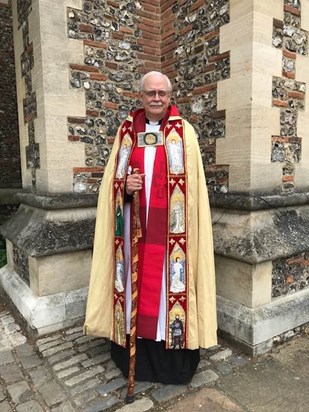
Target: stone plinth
261	267
49	241
255	329
44	314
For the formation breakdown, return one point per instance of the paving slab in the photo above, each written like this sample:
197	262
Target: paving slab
276	382
20	392
30	406
207	399
5	407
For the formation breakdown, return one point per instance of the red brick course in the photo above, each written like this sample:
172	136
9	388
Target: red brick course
291	9
84	68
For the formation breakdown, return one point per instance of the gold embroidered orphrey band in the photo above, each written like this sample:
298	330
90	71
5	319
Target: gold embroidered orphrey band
177	287
145	139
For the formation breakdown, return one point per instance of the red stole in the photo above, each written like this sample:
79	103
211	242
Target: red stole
152	245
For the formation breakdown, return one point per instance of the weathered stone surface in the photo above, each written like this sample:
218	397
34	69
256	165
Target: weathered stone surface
203	378
96	360
274	383
258	201
2	396
59	201
111	386
255	328
72	361
224	368
207	399
40	375
24	350
11	373
167	392
56	349
114	373
52	393
84	376
5	407
56	337
140	405
68	372
86	387
238	360
10	337
30	406
98	344
222	355
103	405
20	392
84	398
60	356
6	357
265	235
38	233
43	346
30	361
64	407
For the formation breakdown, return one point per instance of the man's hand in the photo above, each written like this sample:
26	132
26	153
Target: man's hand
134	183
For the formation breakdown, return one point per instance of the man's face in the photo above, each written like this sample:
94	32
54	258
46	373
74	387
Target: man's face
156	97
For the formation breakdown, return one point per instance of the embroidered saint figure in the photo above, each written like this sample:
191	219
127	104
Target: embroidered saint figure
119	322
119	280
177	221
177	333
175	153
119	275
123	156
177	211
119	219
177	277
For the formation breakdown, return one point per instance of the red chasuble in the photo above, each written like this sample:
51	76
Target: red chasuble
152	245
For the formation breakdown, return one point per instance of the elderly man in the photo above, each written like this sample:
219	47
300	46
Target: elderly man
175	227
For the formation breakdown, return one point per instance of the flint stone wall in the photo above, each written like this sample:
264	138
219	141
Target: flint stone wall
10	175
288	93
10	169
121	42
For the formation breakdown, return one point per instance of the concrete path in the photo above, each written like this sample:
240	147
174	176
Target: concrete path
66	371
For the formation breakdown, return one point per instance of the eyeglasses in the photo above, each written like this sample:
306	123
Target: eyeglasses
153	93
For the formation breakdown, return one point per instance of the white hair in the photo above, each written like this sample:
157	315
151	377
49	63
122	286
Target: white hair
154	73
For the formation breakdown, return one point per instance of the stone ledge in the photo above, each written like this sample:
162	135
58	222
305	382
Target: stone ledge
260	236
57	200
44	314
254	329
252	202
40	232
